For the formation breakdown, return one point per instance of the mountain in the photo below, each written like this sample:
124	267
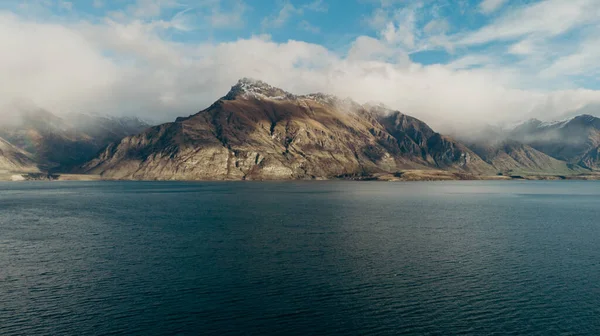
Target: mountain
257	131
534	147
414	139
575	140
12	159
510	157
59	143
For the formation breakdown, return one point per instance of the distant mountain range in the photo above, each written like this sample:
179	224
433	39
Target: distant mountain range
35	139
575	140
260	132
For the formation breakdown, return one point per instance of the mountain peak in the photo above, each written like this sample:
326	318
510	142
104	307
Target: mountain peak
250	88
253	88
248	82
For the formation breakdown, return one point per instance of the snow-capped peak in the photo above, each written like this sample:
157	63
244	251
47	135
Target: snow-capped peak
555	123
249	88
253	88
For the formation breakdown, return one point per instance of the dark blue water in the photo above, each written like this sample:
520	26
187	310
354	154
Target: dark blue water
311	258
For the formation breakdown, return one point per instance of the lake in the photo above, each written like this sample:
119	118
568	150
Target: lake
300	258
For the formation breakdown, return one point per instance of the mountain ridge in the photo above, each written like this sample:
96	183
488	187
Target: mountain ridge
257	131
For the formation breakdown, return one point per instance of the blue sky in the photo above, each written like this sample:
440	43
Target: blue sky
331	23
334	24
448	59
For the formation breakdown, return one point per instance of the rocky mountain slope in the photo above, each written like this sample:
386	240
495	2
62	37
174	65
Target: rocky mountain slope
257	131
510	157
576	140
12	159
61	143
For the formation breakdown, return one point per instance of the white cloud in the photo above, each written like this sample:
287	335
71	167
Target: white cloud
583	61
98	3
128	66
317	6
490	6
545	18
403	27
471	61
209	15
51	65
396	27
284	14
523	47
307	26
437	26
151	8
378	19
402	33
288	10
233	18
366	48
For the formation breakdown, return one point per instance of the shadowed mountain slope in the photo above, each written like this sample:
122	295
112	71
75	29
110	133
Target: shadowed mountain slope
13	159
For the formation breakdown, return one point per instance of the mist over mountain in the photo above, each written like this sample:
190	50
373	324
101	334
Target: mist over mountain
574	140
60	143
551	146
14	159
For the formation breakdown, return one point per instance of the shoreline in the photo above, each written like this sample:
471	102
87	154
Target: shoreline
46	177
402	176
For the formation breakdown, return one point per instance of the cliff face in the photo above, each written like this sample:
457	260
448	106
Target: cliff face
257	131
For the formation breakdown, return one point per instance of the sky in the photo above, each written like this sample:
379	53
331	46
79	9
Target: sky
452	63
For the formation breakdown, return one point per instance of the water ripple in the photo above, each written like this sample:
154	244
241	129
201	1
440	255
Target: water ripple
331	258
